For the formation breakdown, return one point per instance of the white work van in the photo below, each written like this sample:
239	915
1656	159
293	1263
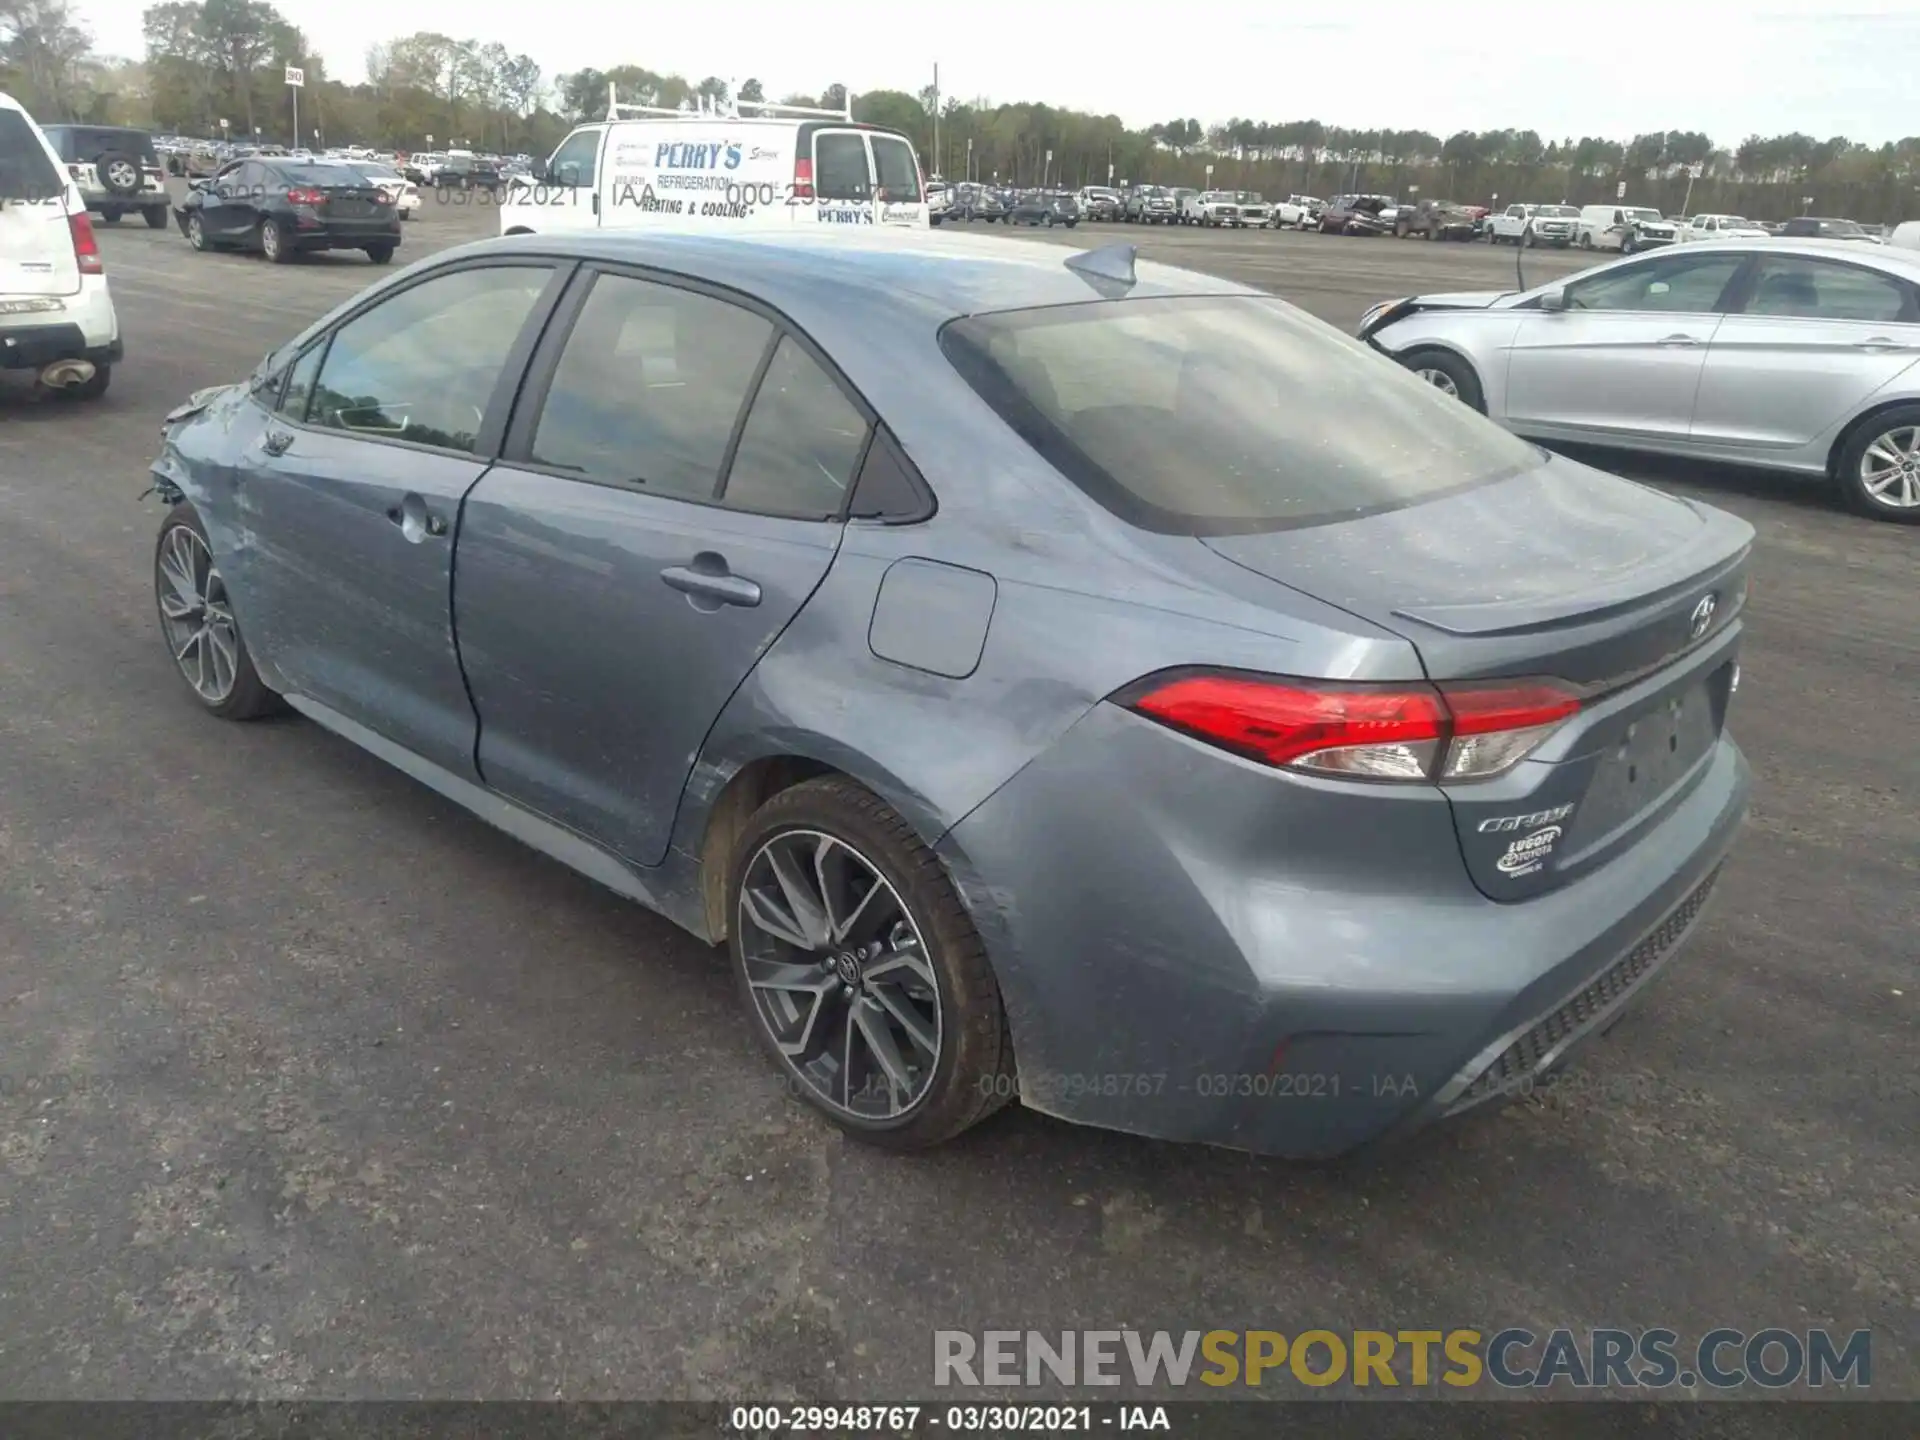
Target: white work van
745	164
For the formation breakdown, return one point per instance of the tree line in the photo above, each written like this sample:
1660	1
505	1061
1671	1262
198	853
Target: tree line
213	60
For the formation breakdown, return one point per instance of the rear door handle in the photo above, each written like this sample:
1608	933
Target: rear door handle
712	582
1680	340
1881	342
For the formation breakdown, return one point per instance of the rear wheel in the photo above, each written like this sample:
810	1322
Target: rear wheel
861	970
380	254
1448	373
110	217
273	244
1879	466
156	217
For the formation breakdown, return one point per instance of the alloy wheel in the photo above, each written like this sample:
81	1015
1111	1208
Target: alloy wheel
196	616
1890	469
1440	380
839	975
122	176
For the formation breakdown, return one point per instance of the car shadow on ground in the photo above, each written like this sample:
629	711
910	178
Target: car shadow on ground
1706	478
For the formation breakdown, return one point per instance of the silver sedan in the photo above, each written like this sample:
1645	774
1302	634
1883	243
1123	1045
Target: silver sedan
1796	355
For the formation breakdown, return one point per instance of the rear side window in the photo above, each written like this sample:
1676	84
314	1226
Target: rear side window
896	171
26	171
1224	414
840	167
649	388
1790	286
802	441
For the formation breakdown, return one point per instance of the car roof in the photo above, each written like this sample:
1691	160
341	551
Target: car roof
798	272
1903	263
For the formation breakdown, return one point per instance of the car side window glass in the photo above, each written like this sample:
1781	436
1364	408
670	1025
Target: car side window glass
840	167
293	404
649	387
898	173
422	365
1680	284
1787	285
801	444
573	163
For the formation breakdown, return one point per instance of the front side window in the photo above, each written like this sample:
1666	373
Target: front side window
1224	414
422	365
802	441
649	388
1678	283
573	163
1790	286
897	171
840	167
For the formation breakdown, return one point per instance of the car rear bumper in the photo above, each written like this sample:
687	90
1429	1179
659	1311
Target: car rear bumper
1215	953
344	234
29	347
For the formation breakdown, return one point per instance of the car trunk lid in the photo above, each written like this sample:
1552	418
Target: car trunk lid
38	262
1630	597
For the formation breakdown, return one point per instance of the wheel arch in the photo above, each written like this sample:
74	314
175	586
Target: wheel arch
1845	435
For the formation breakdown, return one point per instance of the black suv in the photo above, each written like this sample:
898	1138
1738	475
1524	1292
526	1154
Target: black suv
117	169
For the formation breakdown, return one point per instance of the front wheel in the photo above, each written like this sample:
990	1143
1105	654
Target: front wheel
861	971
1879	467
1449	374
197	232
197	623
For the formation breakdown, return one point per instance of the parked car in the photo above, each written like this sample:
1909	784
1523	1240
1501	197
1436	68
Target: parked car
1151	205
57	320
117	168
1044	207
1100	202
287	208
1807	227
976	202
1358	215
1792	355
1529	225
1625	228
761	650
1906	235
1434	220
939	199
1181	196
1299	211
1717	227
1210	207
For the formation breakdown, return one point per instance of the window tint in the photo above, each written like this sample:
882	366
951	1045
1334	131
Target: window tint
293	405
1817	289
573	162
840	167
422	364
897	171
1223	414
1679	283
650	386
801	443
26	171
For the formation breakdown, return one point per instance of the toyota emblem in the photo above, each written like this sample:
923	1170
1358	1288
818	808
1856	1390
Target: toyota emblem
1702	616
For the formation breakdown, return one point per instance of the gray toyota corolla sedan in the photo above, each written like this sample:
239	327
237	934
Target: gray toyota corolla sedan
1051	677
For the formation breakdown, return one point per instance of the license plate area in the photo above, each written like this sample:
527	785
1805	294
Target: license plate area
1660	747
348	209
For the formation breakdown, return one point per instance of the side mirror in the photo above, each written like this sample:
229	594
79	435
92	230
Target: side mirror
1554	299
540	170
198	184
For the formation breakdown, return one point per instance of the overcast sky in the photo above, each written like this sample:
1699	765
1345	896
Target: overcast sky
1614	68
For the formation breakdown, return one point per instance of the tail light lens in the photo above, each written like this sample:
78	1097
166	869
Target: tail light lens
306	197
86	249
1429	733
802	178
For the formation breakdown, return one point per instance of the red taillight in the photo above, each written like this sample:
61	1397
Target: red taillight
86	249
1372	732
802	178
306	197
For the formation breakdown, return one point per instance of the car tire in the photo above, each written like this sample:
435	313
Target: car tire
95	386
109	217
119	173
197	233
1449	372
1586	242
1894	432
380	254
273	243
967	1071
156	217
186	588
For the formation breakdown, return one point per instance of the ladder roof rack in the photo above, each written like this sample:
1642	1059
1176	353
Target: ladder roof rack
618	109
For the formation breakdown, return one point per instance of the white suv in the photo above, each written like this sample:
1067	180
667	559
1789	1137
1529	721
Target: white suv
117	169
56	317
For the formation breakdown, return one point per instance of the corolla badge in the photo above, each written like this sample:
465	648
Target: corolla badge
1702	616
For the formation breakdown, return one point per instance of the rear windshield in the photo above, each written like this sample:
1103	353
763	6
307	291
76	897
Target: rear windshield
26	171
295	173
82	144
1224	414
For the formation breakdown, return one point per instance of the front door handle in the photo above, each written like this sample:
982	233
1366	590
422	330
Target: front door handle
1681	341
278	442
1880	343
415	520
707	578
